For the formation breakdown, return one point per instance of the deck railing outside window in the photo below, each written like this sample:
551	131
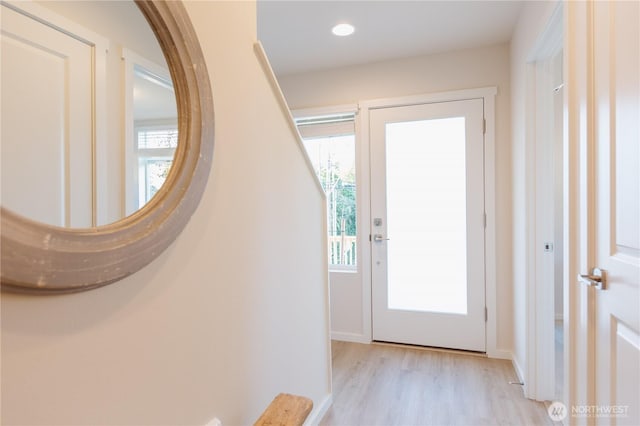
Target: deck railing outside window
342	250
330	145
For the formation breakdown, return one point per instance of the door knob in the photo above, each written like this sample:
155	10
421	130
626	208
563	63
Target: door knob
597	278
378	238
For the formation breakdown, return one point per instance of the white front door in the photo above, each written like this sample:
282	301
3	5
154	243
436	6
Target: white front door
616	227
47	164
427	234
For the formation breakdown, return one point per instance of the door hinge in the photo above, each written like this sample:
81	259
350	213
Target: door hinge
369	237
486	314
484	126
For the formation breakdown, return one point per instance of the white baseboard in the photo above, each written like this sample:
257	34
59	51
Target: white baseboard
499	354
316	415
350	337
518	370
521	378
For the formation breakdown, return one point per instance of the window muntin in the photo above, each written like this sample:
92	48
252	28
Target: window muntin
155	148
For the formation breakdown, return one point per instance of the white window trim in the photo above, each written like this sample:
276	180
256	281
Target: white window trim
325	111
148	153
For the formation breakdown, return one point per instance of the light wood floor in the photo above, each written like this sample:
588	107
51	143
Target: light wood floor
559	351
388	385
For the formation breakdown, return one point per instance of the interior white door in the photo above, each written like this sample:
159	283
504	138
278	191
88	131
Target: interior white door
616	229
427	204
47	164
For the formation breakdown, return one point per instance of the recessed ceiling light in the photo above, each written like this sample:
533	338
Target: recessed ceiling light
343	30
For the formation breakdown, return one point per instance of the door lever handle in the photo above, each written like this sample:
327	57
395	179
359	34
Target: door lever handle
378	238
597	278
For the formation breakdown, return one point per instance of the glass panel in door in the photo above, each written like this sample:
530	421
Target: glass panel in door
426	214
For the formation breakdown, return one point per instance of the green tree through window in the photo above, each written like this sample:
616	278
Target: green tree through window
333	158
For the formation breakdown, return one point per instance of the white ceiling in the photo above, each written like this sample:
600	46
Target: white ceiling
297	34
153	99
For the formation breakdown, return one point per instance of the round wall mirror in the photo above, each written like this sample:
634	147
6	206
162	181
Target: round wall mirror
125	175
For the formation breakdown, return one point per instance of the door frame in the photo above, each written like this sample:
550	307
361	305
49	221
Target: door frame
539	376
488	95
579	364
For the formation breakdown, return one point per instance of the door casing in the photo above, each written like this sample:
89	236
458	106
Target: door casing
539	374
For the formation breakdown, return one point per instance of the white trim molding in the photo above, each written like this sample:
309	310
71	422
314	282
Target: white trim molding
261	55
350	337
518	370
325	111
539	371
315	417
427	98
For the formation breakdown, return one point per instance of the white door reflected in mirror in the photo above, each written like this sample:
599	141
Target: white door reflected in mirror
46	125
76	102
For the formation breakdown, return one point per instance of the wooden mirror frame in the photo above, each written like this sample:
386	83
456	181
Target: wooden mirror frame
45	259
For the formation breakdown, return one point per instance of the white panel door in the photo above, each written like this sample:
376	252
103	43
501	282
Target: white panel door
47	136
427	204
616	229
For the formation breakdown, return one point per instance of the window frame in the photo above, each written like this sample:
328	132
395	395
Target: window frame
340	121
143	155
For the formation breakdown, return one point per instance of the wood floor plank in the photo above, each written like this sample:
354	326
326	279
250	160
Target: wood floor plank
390	385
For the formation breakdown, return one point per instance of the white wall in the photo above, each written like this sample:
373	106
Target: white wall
532	22
234	312
427	74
